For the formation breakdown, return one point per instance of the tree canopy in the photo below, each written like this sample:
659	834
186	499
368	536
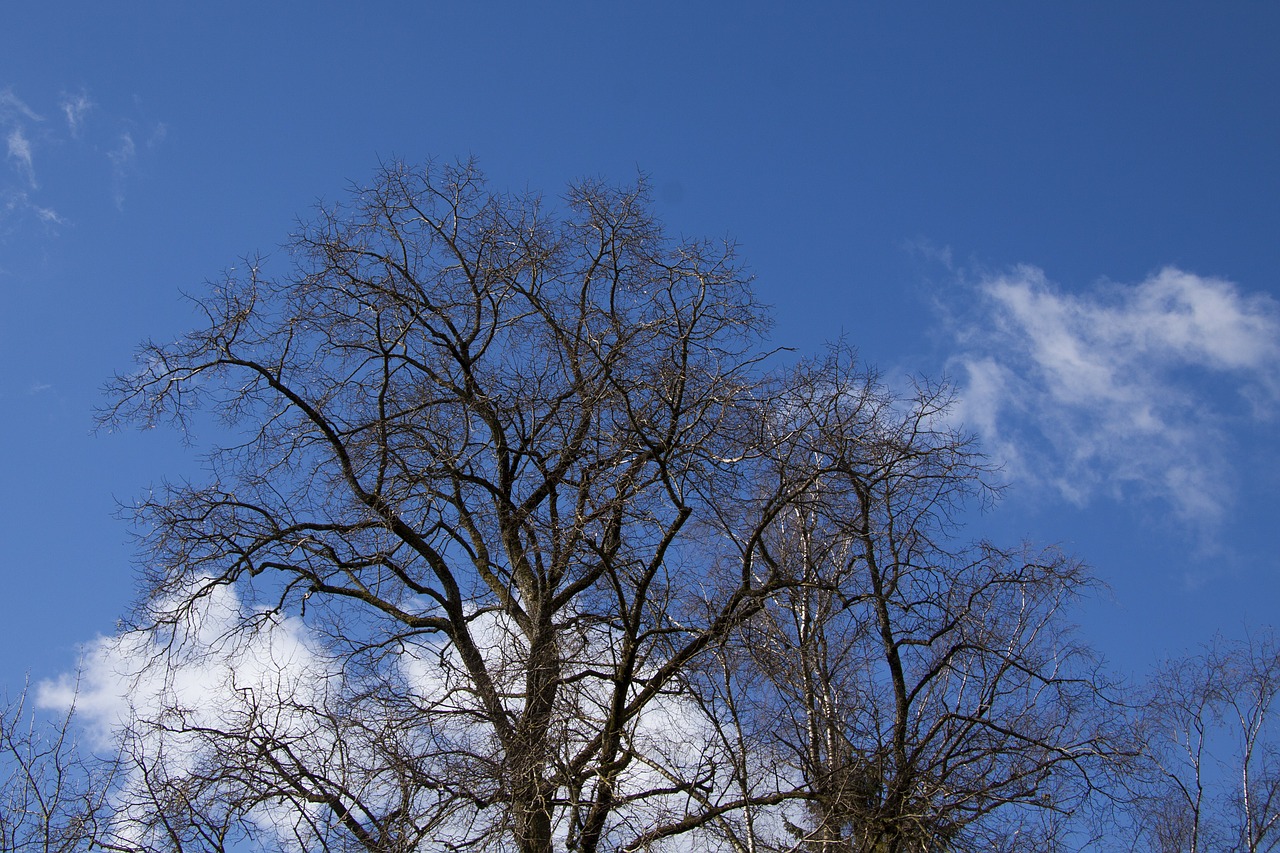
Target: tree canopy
526	539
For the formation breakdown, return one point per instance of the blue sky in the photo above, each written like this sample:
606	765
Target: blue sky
1073	210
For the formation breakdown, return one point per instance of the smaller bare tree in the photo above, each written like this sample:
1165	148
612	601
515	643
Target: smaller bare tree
924	692
1209	726
52	793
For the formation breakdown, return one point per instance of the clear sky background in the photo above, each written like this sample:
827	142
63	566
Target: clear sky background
1073	210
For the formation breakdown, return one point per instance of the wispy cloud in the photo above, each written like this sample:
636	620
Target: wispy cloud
158	133
20	150
74	107
17	205
930	251
36	152
121	157
1124	389
11	107
14	115
124	152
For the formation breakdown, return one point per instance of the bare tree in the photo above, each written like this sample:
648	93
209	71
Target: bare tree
1209	727
926	693
52	794
519	544
492	441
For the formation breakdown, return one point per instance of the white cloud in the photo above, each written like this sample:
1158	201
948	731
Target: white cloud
158	133
74	108
204	664
124	151
174	688
11	105
20	150
13	113
121	157
1126	389
195	694
17	205
930	251
27	137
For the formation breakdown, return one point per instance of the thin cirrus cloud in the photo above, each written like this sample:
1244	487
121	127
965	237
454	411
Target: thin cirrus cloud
124	155
16	199
1127	390
14	117
121	157
28	139
11	107
74	108
20	152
